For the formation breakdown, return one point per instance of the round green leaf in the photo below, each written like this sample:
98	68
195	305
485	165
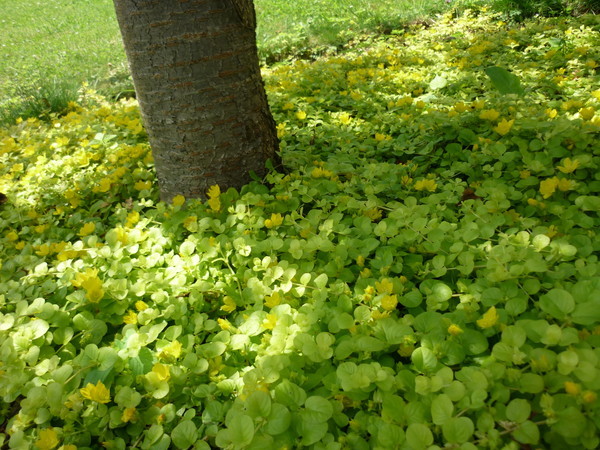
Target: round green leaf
418	436
557	303
311	431
184	434
514	336
319	409
440	292
424	360
527	433
279	420
442	409
241	430
531	383
411	299
518	410
458	430
258	404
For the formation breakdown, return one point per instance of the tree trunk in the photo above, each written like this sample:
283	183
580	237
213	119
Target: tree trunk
195	68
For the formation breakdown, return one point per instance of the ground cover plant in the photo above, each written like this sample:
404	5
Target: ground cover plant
49	49
425	276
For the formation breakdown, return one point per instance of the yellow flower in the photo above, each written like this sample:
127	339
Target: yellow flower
274	221
572	388
128	414
47	440
372	213
360	261
489	114
319	172
384	286
389	302
589	396
91	283
140	305
270	321
141	185
273	300
552	231
587	113
215	204
478	104
454	330
12	236
228	304
178	200
171	351
345	118
132	218
162	371
551	113
214	200
569	165
548	186
96	392
103	186
130	317
565	184
489	319
41	228
87	229
382	137
43	250
224	324
460	107
301	115
281	130
504	126
426	185
93	289
214	191
376	315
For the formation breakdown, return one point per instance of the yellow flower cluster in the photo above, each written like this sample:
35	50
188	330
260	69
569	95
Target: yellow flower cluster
489	319
274	221
214	198
89	281
47	439
549	186
273	300
229	304
170	351
426	185
96	392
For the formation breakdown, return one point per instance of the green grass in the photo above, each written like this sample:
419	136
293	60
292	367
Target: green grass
311	27
50	48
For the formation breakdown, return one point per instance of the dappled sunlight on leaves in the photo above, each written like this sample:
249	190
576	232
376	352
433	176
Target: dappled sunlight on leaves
426	272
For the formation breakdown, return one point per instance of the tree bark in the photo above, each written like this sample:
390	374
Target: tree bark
195	68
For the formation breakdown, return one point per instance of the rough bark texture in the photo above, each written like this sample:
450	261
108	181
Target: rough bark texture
196	73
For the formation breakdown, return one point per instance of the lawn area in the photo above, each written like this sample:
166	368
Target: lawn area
426	274
50	48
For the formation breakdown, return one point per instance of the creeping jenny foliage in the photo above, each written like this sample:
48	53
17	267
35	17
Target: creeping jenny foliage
425	275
